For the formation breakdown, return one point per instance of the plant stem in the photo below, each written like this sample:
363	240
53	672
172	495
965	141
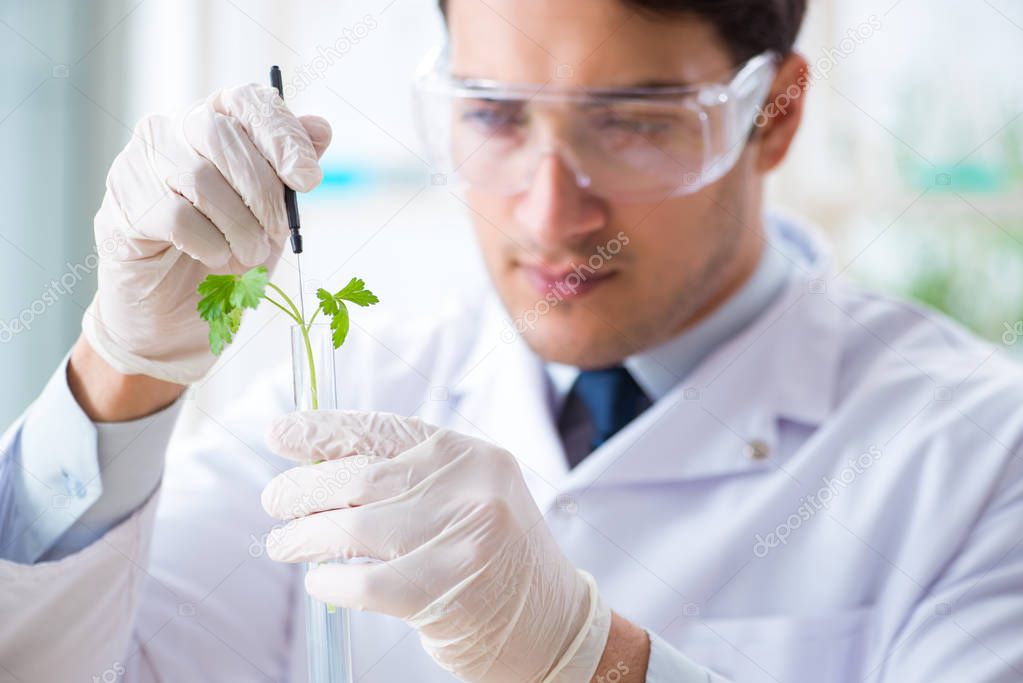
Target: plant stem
297	316
312	367
286	311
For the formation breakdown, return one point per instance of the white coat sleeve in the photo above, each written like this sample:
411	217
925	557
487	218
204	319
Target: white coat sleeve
72	619
54	502
180	590
63	482
668	665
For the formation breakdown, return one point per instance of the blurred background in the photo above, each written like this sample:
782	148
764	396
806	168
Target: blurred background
910	157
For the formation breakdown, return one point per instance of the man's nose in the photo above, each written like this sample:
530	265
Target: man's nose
554	209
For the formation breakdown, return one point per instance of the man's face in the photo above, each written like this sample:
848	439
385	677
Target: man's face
663	263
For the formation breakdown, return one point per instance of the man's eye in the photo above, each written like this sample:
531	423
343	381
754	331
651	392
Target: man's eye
644	127
493	119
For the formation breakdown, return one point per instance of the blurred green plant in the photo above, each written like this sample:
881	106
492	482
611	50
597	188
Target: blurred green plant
972	272
964	254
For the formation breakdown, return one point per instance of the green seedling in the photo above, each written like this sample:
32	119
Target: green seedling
223	299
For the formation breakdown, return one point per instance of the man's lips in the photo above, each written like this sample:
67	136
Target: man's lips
564	281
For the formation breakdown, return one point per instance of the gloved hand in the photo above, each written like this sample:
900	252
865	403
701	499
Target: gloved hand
198	194
466	558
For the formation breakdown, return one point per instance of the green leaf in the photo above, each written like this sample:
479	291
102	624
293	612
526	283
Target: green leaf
354	285
356	292
334	306
215	291
234	319
220	335
249	288
339	324
223	298
327	302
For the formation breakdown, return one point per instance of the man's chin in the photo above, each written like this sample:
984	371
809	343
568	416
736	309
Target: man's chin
583	348
567	332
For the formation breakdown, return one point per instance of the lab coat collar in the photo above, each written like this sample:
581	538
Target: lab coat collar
782	366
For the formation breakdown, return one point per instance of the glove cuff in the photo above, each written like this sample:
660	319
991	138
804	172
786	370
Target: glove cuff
580	661
129	363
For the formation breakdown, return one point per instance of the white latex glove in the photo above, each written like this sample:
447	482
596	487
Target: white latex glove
198	194
466	558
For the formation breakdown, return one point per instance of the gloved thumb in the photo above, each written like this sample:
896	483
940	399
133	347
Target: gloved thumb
319	132
314	435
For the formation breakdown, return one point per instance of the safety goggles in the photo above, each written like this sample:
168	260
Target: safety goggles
633	144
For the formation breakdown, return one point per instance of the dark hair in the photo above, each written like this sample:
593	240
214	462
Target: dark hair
748	27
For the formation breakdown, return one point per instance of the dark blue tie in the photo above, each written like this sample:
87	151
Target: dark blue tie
612	398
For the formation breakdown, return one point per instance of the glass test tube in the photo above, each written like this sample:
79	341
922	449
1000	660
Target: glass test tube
328	640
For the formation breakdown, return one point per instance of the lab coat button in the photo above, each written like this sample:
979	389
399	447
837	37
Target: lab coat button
756	450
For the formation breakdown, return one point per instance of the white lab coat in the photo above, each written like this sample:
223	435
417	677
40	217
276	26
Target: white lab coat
834	495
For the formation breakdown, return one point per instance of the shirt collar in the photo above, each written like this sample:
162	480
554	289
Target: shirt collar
658	369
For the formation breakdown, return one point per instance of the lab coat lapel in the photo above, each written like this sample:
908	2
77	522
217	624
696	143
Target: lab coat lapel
502	395
682	437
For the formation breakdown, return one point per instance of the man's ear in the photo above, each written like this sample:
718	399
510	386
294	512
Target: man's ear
779	119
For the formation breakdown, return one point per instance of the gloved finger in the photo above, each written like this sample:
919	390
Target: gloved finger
330	485
315	435
395	588
405	471
207	189
360	479
421	579
320	132
294	541
326	536
224	141
382	530
275	131
173	219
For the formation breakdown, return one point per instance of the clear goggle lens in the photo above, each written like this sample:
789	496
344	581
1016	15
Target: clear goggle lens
638	144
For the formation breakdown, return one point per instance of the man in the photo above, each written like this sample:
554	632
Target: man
713	461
